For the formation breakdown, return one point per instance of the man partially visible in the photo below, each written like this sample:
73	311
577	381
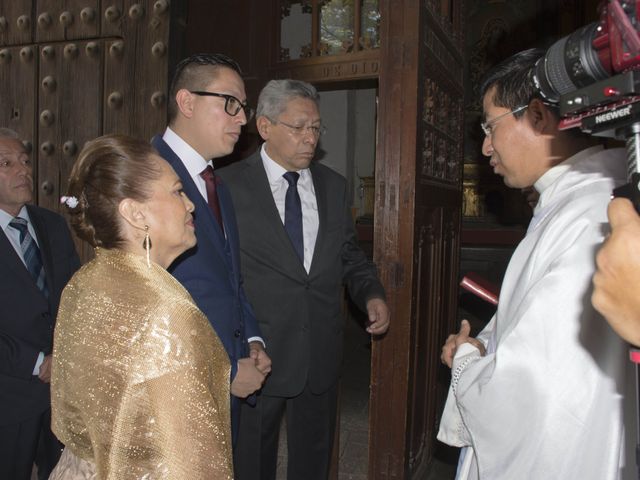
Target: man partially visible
37	259
617	281
207	109
546	399
298	248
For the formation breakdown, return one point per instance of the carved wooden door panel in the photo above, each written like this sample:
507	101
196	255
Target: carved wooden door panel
71	70
418	200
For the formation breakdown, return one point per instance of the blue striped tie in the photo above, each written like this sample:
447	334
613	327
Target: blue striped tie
31	254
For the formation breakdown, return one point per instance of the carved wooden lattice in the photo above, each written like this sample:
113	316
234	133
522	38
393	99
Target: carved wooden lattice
437	219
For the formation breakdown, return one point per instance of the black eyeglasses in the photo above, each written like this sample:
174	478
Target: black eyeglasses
231	104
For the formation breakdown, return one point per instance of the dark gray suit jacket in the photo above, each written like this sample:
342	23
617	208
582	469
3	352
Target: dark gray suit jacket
299	314
27	318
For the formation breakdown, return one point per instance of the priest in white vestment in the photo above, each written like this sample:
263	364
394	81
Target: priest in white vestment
539	393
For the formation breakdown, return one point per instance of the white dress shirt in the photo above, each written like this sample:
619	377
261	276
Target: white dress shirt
192	160
279	186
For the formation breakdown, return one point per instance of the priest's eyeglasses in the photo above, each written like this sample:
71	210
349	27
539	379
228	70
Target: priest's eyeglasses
487	127
231	104
302	130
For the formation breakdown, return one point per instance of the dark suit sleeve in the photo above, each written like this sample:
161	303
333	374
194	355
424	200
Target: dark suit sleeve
250	321
359	274
17	357
21	345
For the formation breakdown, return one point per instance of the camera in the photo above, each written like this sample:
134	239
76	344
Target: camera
582	70
593	76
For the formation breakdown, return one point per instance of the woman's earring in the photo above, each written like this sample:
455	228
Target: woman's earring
146	244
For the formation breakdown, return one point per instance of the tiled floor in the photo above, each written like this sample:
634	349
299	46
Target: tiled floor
354	411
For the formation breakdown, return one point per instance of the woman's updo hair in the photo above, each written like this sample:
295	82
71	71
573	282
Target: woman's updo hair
108	170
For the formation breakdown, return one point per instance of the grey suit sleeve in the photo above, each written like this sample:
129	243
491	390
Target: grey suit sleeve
358	272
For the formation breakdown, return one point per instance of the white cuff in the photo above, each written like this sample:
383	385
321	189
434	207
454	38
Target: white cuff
36	369
257	339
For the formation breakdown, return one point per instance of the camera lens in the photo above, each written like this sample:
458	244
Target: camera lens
569	64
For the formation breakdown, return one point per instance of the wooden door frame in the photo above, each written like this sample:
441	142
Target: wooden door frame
394	227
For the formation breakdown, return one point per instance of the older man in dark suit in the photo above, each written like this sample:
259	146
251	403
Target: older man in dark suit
37	259
207	110
298	248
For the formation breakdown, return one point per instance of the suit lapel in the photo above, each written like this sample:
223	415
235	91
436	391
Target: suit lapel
258	185
44	244
320	189
229	222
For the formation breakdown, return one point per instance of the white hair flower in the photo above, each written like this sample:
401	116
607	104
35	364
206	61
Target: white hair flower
71	202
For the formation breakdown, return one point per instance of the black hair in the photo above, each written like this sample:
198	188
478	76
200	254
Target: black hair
195	73
513	81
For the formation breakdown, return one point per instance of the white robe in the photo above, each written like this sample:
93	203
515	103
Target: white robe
547	403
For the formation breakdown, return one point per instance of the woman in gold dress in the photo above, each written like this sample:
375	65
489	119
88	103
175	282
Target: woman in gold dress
140	381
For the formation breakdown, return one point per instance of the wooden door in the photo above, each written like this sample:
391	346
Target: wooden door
417	224
71	70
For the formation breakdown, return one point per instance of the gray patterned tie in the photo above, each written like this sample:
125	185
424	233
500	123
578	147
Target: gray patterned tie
31	254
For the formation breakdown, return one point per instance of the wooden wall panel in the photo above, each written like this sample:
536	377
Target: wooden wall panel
439	170
417	222
69	20
136	72
69	114
242	29
394	247
92	67
111	17
428	261
16	22
18	67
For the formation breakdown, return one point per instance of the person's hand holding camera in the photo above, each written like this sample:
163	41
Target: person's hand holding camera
617	281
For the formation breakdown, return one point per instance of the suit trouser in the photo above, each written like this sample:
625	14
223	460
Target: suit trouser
24	443
310	421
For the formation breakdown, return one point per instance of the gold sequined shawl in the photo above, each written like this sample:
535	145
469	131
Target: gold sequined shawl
140	381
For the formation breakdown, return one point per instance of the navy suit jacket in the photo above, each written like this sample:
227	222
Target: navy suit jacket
211	270
27	317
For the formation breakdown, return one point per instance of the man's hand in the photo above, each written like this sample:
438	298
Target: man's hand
248	378
259	355
44	373
379	315
455	340
617	280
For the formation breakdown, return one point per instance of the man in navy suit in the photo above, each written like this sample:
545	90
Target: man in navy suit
207	109
37	259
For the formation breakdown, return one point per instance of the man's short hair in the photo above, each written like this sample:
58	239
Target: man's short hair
8	133
276	94
513	80
195	73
